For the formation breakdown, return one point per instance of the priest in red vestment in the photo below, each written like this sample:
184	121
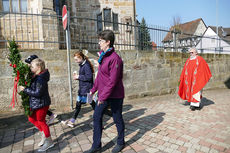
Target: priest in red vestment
194	76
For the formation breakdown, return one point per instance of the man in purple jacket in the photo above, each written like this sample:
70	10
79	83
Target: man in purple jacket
110	91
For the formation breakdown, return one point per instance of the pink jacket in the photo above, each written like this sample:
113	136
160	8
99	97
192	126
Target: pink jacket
108	82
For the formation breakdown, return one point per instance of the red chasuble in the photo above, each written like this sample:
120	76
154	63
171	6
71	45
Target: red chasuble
194	77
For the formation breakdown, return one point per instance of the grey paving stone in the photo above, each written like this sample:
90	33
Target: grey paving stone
177	128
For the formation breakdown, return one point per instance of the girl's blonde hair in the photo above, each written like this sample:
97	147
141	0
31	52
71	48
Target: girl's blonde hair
39	62
82	55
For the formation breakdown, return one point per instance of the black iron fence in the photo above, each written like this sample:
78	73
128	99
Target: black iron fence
45	31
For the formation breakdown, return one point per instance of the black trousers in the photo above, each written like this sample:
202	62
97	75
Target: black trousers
49	113
93	104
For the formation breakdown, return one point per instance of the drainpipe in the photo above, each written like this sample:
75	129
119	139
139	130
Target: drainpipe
134	20
217	40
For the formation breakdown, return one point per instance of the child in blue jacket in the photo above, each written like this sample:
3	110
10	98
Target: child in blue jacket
85	78
39	99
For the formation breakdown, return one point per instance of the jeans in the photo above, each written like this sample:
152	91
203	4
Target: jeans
116	107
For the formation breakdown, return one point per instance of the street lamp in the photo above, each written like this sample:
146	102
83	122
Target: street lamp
217	40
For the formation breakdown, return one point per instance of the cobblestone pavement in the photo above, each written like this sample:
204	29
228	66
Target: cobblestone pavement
153	124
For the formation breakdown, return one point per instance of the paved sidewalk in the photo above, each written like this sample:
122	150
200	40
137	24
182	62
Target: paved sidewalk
153	124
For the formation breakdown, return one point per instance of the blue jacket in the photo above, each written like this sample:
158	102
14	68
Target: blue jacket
38	91
85	78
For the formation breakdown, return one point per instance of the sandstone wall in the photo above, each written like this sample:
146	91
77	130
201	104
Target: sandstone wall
145	74
32	31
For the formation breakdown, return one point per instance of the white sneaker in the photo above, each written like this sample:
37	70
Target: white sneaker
43	138
70	124
47	144
52	117
64	122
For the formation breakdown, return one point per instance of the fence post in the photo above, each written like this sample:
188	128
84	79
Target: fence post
201	50
174	41
134	19
68	42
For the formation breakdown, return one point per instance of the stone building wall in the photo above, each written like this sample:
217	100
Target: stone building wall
31	27
28	28
124	9
84	29
91	8
145	74
83	26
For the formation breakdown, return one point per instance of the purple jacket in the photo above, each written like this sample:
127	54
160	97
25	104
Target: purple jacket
108	82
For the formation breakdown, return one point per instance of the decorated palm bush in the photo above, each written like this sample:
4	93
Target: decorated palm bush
22	76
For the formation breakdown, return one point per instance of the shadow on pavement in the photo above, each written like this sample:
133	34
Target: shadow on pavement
14	129
143	125
205	102
69	133
134	123
186	103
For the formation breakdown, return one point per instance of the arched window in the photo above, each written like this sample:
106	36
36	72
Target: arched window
109	18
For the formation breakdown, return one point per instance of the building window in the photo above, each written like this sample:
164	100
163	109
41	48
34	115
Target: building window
109	18
14	6
99	22
128	22
115	22
57	7
23	4
6	5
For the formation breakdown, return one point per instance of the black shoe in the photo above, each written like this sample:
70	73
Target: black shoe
93	150
118	148
192	108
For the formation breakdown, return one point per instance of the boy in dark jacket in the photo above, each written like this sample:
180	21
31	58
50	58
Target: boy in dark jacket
39	101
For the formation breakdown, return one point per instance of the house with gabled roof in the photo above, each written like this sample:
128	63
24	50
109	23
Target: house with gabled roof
211	43
184	35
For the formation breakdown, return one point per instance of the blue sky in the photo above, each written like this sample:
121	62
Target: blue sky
161	12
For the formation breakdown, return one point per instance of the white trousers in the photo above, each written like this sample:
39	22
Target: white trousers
197	97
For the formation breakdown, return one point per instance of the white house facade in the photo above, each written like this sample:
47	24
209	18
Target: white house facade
213	43
187	35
